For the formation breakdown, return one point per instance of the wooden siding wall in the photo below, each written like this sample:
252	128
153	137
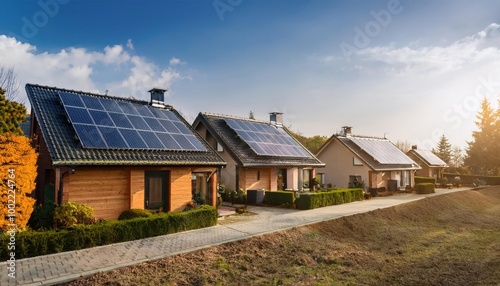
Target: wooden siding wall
107	191
137	186
111	191
248	178
180	188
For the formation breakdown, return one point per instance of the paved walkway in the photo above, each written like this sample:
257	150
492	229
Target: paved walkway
67	266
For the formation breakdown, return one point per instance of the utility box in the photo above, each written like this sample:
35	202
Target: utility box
255	197
392	185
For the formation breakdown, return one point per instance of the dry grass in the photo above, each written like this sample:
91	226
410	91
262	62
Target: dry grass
444	240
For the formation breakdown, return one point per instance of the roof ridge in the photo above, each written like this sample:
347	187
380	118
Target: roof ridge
236	117
362	137
112	97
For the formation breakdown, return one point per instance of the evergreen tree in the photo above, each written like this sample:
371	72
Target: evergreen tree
12	114
481	150
443	150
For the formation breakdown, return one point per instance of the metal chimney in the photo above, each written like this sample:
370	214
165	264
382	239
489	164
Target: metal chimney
347	130
276	117
157	97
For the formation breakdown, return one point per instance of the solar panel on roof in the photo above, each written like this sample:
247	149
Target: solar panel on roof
120	120
79	115
101	118
109	124
430	157
134	140
92	102
265	139
89	136
138	122
110	105
382	151
112	137
71	99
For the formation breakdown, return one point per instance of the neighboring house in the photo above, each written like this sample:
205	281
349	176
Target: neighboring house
116	153
352	160
25	126
259	154
432	165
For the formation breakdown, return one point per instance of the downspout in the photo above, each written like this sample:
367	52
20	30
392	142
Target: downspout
61	184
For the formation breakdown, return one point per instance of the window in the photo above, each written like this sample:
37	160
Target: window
356	161
219	147
306	177
320	177
201	188
258	175
355	181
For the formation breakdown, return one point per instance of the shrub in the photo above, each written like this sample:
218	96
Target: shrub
69	214
279	198
419	180
425	188
42	216
35	243
135	213
333	197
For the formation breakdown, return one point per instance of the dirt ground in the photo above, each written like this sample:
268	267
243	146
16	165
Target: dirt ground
452	239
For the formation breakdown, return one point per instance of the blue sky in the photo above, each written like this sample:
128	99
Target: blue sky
411	70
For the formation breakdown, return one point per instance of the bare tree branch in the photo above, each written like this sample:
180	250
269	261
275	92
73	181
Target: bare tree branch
9	81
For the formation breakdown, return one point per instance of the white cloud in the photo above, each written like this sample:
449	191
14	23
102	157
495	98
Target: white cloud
479	48
175	61
74	68
143	76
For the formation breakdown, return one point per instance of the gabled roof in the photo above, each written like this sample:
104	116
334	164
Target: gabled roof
378	153
244	150
25	126
65	148
428	158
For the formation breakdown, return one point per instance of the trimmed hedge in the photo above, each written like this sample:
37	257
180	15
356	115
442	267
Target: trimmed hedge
279	198
425	188
419	180
309	201
32	243
135	213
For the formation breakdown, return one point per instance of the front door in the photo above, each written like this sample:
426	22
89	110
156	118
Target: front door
156	187
281	179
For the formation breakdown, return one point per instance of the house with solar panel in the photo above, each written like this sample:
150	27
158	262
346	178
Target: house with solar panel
352	160
432	165
260	155
117	153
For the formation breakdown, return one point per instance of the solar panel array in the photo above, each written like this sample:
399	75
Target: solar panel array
382	151
267	140
103	123
430	157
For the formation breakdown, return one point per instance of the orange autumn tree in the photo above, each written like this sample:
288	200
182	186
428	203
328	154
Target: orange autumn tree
17	166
